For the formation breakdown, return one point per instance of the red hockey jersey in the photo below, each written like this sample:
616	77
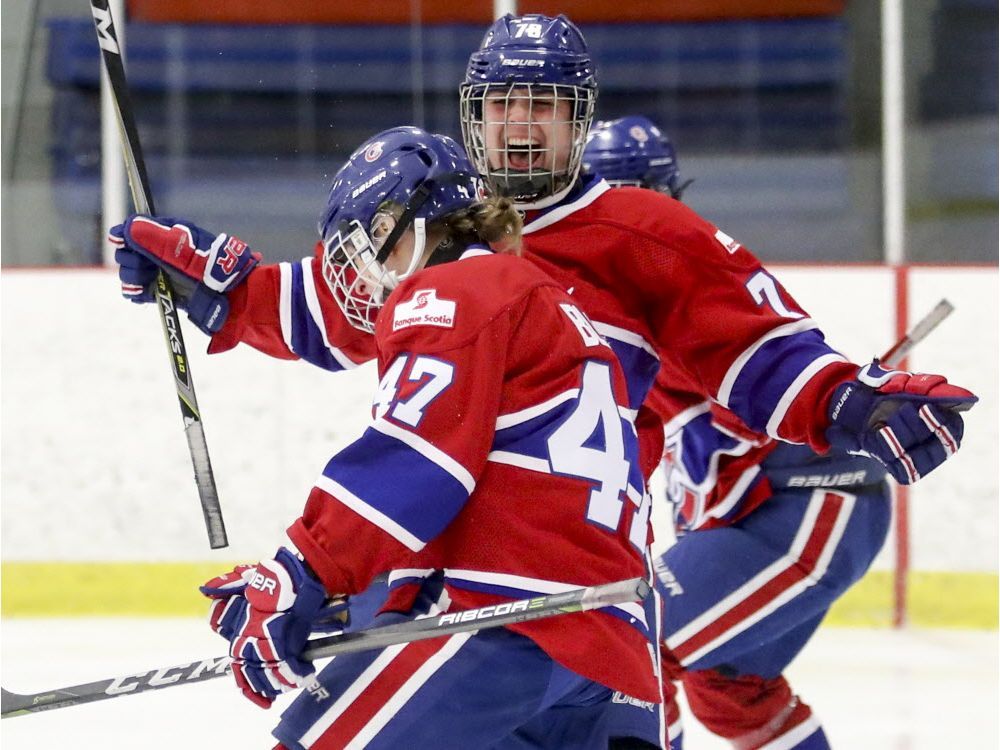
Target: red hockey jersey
681	301
670	292
501	451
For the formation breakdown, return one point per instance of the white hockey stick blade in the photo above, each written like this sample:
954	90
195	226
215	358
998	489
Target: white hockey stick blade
901	349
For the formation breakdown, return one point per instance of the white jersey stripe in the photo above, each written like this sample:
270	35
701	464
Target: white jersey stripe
794	736
790	394
522	462
369	513
429	451
546	220
401	573
517	417
674	730
316	313
631	338
285	304
681	419
735	492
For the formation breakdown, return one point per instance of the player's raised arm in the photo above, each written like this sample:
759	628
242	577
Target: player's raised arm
205	267
283	309
749	344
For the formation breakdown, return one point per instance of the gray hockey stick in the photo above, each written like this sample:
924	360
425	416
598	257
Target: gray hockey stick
507	613
925	325
138	181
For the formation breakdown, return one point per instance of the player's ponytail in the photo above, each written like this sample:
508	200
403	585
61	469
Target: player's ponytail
494	221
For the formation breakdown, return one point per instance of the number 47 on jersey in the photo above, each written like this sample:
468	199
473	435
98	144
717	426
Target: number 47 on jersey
595	442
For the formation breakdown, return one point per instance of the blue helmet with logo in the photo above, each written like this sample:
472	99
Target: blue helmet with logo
633	151
401	178
526	106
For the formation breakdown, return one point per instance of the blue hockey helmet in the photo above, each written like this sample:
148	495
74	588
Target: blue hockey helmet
526	106
401	178
633	151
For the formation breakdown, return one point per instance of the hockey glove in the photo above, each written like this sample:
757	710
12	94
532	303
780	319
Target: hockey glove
266	612
204	267
908	422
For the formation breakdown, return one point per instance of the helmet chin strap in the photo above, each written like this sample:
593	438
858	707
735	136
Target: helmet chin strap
393	279
413	205
419	243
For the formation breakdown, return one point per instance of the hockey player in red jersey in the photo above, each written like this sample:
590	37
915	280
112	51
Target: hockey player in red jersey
679	298
664	287
501	453
769	534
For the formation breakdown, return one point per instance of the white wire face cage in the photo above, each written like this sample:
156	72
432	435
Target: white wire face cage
524	139
359	282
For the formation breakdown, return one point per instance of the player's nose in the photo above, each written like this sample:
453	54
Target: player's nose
519	109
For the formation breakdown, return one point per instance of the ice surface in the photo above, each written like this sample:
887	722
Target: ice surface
873	689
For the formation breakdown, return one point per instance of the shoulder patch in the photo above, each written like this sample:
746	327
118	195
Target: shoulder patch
726	241
424	309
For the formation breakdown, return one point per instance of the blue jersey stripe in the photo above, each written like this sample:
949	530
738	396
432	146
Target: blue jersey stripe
399	483
700	443
635	477
307	338
640	368
765	377
530	440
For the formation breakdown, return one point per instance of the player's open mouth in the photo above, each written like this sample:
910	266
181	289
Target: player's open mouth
525	153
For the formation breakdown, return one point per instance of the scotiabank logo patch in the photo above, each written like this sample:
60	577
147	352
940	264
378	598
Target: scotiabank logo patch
424	309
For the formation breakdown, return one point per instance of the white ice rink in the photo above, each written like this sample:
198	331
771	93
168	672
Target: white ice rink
873	689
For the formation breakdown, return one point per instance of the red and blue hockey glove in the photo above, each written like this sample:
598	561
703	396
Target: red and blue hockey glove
909	422
266	612
204	267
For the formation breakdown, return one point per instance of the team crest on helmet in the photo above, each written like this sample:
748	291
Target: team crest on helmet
481	192
374	151
638	133
424	308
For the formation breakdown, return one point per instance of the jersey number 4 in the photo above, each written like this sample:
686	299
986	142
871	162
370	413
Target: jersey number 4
590	444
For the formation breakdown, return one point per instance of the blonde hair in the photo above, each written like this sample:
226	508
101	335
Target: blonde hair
493	220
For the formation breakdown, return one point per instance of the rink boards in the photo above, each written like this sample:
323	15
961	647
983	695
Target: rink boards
96	474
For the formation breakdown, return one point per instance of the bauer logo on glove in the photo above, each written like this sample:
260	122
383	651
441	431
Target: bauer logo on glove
911	423
266	612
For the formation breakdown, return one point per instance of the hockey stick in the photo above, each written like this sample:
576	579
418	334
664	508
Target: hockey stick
434	626
135	166
925	325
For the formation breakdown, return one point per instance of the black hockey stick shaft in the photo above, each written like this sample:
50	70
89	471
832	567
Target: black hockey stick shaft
507	613
138	180
901	349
